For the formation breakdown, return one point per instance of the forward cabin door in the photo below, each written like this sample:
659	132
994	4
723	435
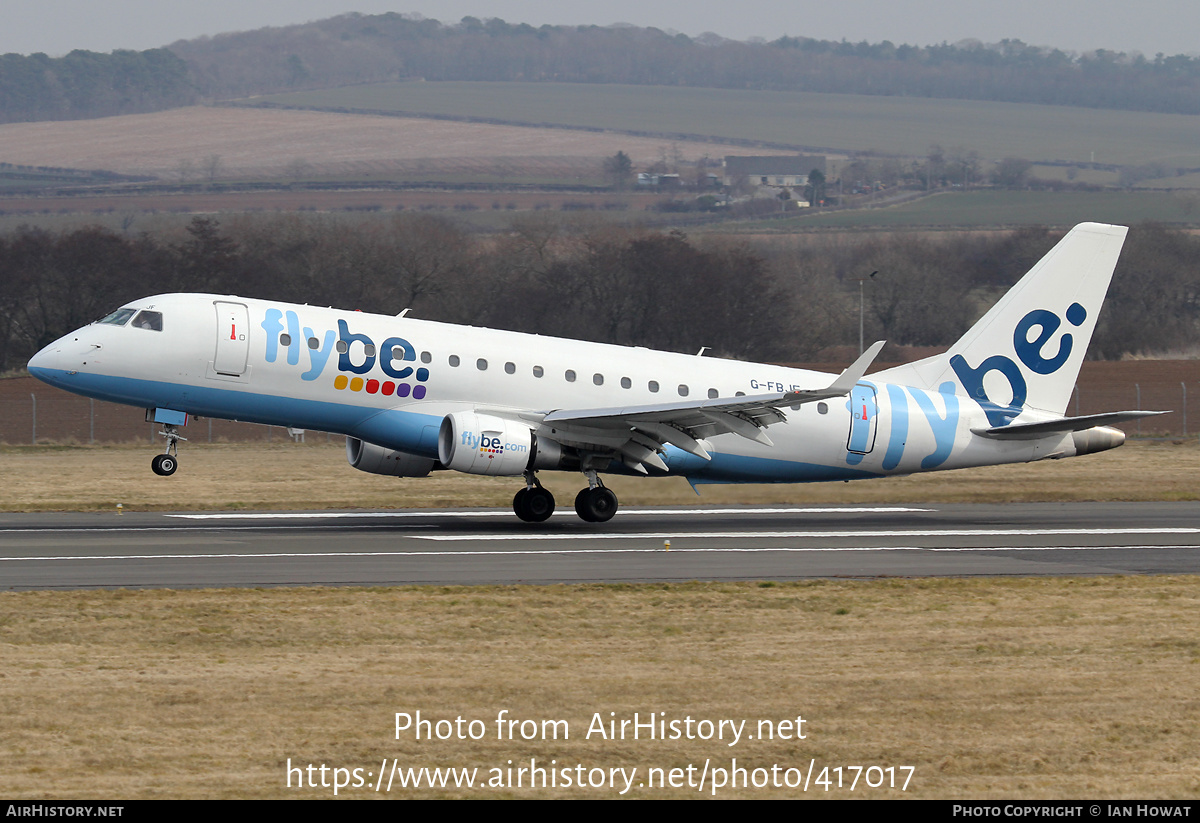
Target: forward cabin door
233	339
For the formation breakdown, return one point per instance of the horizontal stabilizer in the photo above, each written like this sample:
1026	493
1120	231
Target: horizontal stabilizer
1041	428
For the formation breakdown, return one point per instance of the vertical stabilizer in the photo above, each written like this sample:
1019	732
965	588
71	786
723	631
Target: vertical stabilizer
1026	351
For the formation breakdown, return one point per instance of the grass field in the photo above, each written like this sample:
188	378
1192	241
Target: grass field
986	689
491	212
840	122
964	209
477	210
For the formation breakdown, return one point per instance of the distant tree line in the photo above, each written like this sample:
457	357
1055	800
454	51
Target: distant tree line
781	302
88	84
356	48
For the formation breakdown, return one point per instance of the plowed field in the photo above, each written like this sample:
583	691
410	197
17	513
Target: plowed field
266	143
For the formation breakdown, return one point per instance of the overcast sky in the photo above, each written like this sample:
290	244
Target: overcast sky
1149	26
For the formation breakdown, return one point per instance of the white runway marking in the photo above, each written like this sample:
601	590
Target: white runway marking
797	534
606	551
427	515
561	513
168	529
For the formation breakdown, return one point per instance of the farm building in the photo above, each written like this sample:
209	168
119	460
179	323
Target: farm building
777	170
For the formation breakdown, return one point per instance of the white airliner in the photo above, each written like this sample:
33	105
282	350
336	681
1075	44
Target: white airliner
413	395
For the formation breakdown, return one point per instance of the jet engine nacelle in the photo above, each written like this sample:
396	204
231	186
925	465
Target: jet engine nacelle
367	457
486	444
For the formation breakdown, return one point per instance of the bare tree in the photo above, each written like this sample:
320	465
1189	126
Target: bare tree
1011	172
211	167
185	169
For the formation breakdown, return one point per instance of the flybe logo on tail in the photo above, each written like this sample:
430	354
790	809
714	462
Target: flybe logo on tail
1032	354
356	354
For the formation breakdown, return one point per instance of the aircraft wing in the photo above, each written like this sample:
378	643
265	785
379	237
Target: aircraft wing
637	433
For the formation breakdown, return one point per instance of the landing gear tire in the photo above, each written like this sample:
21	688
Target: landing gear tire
164	464
533	505
596	505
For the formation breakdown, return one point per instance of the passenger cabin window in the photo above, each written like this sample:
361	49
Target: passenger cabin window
713	394
652	385
598	379
626	383
510	368
570	375
481	364
314	343
118	318
454	360
426	357
151	320
538	371
683	390
285	339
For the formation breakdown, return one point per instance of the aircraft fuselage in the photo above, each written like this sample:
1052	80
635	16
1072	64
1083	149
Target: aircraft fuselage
280	364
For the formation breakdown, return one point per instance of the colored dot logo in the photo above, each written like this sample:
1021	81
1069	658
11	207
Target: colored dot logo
387	388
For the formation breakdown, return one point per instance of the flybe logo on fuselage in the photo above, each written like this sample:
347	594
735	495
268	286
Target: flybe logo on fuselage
357	355
1029	352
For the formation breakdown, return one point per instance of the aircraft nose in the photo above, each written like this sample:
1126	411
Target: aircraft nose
44	361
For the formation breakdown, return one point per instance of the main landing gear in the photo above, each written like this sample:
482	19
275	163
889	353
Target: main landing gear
166	463
595	504
533	504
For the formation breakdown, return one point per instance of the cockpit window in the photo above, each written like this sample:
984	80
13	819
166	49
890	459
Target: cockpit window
151	320
118	318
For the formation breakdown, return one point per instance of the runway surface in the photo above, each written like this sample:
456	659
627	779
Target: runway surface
189	550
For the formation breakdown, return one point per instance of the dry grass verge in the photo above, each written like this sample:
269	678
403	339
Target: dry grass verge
316	476
1024	688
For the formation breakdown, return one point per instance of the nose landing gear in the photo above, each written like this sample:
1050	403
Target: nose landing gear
166	463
